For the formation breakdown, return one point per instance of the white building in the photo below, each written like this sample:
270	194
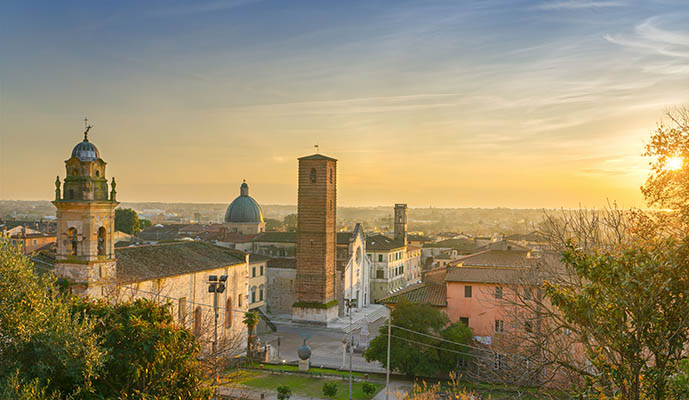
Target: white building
357	270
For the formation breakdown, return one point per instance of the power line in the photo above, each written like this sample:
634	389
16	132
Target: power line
439	338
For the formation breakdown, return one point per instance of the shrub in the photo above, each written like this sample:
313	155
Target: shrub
330	389
284	392
369	389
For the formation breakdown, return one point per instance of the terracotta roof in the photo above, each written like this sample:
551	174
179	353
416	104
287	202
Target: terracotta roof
380	242
317	157
289	263
457	244
421	293
419	238
527	237
497	258
343	237
146	262
276	237
256	258
502	275
501	245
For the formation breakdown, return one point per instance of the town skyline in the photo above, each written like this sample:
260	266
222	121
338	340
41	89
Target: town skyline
526	104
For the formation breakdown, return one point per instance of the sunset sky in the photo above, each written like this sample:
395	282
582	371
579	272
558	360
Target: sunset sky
435	103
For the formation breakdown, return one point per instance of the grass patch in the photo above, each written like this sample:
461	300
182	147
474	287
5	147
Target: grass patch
311	371
308	386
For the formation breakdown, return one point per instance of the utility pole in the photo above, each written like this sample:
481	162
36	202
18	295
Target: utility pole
351	345
387	365
216	286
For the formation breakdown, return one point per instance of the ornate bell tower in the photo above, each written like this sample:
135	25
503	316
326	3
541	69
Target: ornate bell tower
85	222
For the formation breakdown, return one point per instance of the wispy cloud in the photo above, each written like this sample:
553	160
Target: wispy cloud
578	4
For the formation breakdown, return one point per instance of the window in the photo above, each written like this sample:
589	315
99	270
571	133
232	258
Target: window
34	242
467	291
401	269
182	309
72	239
253	272
198	314
464	320
253	294
499	326
498	292
331	175
380	258
260	293
380	274
313	175
228	313
261	270
239	300
101	241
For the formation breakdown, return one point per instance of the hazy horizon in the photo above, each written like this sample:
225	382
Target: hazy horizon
481	104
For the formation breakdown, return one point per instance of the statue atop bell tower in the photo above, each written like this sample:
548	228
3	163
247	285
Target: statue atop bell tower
85	253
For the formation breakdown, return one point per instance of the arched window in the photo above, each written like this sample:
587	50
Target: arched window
260	293
253	294
228	313
75	172
101	241
72	241
198	315
97	173
313	175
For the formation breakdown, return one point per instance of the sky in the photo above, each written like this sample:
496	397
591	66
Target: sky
526	104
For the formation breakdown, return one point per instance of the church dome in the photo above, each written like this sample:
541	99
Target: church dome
86	151
244	208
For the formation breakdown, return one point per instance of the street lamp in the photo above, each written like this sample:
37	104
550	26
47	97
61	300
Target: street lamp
350	303
216	286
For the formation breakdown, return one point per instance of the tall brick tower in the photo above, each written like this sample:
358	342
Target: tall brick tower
316	241
85	254
401	223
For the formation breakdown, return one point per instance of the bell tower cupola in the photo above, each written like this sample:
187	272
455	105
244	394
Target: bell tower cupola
85	253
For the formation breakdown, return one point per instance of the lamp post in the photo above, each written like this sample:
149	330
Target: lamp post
216	286
349	303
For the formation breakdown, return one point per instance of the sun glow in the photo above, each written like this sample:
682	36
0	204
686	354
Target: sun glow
674	163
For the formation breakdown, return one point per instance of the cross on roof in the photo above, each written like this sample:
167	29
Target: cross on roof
87	127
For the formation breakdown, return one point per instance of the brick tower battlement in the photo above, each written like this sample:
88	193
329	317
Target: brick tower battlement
316	240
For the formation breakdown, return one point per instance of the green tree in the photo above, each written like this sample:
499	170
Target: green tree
127	221
422	353
250	320
290	222
45	352
369	389
330	389
284	392
273	224
145	223
154	355
668	149
628	308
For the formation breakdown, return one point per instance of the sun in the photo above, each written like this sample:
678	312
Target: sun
674	163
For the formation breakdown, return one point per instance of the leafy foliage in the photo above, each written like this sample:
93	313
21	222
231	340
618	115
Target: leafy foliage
45	352
629	309
408	353
127	221
284	392
151	353
290	222
330	389
57	347
369	389
669	187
